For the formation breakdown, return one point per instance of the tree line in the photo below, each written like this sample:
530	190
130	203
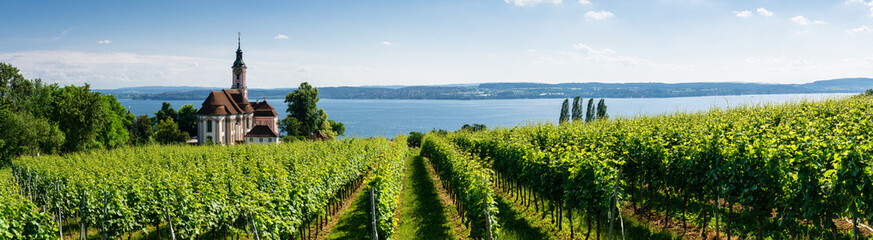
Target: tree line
592	113
42	118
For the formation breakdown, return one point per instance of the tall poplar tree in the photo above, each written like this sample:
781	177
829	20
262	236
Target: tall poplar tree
565	111
601	110
589	115
577	109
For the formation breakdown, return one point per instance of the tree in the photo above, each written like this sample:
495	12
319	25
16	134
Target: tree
25	134
565	111
304	117
576	113
338	127
141	130
414	139
473	128
9	76
165	113
112	132
167	132
188	119
324	125
78	112
291	127
589	115
302	107
601	110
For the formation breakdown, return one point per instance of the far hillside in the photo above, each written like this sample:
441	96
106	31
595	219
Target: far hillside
518	90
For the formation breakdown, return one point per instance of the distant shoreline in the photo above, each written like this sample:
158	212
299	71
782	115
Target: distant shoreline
519	90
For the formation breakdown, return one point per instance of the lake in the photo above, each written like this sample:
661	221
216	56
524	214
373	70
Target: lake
366	117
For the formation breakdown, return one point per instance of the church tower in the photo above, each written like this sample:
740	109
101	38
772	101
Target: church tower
239	71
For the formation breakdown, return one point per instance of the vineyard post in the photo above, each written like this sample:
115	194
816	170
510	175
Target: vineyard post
103	221
82	217
855	225
254	227
490	235
170	221
60	214
373	214
717	209
612	206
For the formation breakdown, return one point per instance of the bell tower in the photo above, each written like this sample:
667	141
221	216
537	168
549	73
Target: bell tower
239	70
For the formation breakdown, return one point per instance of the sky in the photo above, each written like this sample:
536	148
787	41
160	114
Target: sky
113	44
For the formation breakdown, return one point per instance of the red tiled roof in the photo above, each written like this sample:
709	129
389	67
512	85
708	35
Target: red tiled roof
227	101
262	131
263	109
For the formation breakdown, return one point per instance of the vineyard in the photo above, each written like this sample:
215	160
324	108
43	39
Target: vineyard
261	192
791	171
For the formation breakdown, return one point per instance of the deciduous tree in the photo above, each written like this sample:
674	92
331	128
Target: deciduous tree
188	119
27	135
166	112
141	130
78	112
167	132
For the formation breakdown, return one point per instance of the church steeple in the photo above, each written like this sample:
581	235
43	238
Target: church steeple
239	61
239	69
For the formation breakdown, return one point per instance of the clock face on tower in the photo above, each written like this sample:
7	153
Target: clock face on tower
237	71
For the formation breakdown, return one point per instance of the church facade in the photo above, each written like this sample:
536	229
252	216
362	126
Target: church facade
227	117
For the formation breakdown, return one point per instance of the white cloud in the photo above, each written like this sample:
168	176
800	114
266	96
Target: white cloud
104	42
522	3
864	3
859	30
280	37
597	16
387	43
764	12
754	60
120	69
743	14
63	33
584	2
801	20
585	53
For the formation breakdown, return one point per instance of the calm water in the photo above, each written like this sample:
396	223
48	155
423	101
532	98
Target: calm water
366	118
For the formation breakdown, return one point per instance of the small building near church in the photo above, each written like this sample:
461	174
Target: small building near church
227	117
262	134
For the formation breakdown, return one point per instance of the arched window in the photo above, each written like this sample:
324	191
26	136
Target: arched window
209	139
208	125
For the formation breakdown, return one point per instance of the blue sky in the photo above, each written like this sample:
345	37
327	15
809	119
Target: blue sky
111	44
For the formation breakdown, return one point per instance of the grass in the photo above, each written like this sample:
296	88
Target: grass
355	222
521	222
422	214
516	225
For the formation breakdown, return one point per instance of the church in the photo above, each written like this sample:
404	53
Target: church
227	117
